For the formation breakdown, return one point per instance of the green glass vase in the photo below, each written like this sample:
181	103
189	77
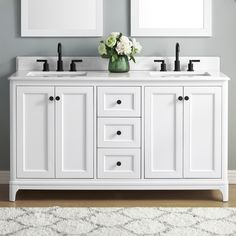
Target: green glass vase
120	65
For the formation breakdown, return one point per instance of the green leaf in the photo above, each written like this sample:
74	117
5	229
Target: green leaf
105	56
132	58
113	58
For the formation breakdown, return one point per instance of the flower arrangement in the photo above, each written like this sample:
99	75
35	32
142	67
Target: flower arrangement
116	45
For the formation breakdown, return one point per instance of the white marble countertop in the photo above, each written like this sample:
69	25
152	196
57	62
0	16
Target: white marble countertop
132	76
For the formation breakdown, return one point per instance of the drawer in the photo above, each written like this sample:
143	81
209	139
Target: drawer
118	163
119	101
119	132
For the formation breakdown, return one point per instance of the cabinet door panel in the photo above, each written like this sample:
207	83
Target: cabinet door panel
35	132
74	122
202	132
163	132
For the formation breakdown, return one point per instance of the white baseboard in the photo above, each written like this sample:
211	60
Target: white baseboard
5	176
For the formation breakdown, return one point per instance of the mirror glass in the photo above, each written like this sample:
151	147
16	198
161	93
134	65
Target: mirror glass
171	17
50	14
61	17
153	15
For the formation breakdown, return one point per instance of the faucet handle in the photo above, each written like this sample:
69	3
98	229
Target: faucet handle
45	64
190	65
163	64
73	64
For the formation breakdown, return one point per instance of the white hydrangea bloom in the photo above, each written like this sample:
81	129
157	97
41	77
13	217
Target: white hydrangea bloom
125	40
120	48
127	49
115	34
124	48
137	46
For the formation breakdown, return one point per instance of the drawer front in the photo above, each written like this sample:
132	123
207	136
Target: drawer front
119	132
119	101
118	163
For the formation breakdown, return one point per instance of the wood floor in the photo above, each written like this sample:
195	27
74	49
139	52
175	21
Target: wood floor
117	198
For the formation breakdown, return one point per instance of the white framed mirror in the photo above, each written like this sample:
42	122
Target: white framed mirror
171	18
61	18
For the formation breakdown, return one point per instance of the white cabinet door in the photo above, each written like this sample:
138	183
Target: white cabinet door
163	132
35	132
202	132
74	132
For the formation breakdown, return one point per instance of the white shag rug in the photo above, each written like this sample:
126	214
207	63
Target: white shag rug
118	221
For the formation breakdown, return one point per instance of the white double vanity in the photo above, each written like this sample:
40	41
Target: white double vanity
144	130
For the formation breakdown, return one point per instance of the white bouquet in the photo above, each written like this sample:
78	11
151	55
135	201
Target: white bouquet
116	45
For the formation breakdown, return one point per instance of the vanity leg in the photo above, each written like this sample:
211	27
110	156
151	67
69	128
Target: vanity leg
225	192
12	192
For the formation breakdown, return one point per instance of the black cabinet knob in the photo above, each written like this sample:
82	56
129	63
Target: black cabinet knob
186	98
118	132
118	163
58	98
180	98
118	102
51	98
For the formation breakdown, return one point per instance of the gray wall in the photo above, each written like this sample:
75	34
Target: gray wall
116	18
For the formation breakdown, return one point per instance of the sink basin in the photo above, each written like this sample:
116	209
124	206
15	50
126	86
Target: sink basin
56	74
174	74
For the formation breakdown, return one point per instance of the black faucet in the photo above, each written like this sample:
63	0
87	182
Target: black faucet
59	62
177	61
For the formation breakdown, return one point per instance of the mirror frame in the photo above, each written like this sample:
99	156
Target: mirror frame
137	31
26	32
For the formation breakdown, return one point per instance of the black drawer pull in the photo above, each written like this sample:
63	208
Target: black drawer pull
118	132
119	102
118	163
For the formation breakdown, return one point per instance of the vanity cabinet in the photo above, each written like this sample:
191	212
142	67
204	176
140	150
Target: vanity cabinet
115	133
183	132
54	132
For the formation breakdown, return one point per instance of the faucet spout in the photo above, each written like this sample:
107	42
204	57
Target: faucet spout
59	62
59	51
177	61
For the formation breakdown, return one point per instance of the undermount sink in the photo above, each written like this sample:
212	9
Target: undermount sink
173	74
56	74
